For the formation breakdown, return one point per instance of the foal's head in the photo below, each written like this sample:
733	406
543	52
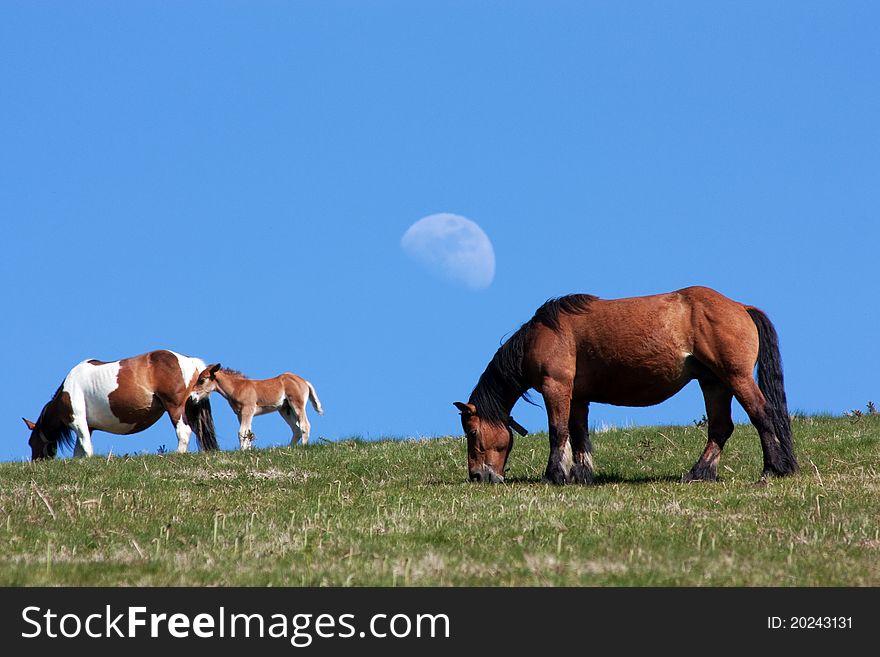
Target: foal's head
41	446
489	444
205	384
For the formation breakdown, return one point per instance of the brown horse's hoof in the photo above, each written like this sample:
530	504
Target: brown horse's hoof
581	474
775	472
555	476
698	475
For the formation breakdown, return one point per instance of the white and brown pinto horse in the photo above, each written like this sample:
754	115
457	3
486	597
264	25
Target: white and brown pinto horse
631	352
123	397
286	393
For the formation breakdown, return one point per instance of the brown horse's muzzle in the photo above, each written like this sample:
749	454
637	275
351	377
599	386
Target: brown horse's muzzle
486	475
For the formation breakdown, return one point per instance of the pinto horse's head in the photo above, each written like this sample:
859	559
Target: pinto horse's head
205	384
41	446
489	444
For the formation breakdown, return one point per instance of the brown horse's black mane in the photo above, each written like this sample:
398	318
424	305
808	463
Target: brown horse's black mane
572	304
503	378
227	370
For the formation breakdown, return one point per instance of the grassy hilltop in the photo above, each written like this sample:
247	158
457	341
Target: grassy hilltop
402	513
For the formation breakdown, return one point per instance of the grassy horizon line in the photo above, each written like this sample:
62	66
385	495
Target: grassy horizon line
402	513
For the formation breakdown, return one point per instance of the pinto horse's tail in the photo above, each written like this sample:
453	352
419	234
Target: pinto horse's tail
198	414
313	397
771	384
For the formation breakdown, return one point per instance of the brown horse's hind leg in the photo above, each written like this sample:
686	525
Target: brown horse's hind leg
752	400
581	447
557	399
718	397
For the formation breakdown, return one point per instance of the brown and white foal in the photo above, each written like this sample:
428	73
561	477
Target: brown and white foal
286	393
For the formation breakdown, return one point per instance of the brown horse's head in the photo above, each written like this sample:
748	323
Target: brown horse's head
489	445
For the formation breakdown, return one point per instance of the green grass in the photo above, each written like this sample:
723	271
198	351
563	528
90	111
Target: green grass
402	513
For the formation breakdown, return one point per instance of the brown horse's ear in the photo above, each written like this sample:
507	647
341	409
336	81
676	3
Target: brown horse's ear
213	369
516	426
466	409
30	425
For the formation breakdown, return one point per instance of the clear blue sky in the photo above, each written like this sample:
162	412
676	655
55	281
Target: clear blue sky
231	180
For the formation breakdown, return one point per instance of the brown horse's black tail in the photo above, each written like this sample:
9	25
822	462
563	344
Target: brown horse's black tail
771	384
198	414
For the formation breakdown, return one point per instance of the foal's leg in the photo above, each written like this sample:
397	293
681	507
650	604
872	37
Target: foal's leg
304	425
295	424
717	397
245	435
753	401
183	430
581	447
557	399
298	421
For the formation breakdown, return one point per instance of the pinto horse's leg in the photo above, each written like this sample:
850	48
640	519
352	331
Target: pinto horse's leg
83	445
183	430
581	447
557	399
717	397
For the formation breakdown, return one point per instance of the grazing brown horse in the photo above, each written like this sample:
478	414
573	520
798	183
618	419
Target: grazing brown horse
286	393
122	397
631	352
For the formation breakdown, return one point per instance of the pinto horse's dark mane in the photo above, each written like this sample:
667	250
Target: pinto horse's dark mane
52	428
503	378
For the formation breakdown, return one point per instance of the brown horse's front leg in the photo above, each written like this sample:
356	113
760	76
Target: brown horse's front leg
581	447
557	399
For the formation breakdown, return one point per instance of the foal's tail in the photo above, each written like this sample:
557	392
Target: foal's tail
313	397
770	382
198	414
